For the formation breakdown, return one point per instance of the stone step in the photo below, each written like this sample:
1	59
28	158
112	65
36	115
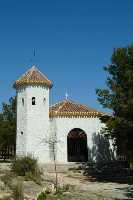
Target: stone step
60	167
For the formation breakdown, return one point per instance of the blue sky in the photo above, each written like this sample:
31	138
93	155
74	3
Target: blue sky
74	40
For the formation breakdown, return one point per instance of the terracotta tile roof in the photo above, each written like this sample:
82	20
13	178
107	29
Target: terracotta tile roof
69	108
31	77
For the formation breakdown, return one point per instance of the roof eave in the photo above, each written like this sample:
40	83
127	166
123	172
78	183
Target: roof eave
17	85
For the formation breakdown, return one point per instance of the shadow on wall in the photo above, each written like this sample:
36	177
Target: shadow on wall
104	167
101	149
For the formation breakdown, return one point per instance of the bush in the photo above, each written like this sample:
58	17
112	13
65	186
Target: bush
42	196
6	179
50	192
23	165
62	189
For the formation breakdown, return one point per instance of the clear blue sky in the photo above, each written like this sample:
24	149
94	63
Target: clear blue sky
74	40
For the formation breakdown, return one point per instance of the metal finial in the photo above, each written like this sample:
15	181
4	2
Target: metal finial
66	96
34	52
33	58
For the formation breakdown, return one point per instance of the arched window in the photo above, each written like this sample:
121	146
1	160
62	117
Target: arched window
33	101
23	101
44	100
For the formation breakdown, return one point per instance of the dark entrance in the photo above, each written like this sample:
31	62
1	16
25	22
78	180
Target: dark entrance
77	146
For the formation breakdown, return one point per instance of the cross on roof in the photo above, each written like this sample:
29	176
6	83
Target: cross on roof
66	96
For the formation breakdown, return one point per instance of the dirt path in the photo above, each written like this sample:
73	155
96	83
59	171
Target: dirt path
85	189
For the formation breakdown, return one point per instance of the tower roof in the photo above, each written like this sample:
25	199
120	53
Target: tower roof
68	108
32	77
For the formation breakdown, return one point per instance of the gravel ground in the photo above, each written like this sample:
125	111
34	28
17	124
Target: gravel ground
82	189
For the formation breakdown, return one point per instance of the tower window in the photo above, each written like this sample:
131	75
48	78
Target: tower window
33	101
22	133
23	101
44	100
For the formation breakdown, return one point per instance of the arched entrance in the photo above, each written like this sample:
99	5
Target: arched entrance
77	146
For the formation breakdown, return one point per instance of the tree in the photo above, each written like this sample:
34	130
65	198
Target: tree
8	123
52	142
118	96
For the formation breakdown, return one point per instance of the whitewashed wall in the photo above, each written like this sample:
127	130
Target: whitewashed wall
64	125
21	122
33	121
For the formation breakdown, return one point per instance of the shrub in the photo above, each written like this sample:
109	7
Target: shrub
41	196
50	192
6	179
23	165
62	189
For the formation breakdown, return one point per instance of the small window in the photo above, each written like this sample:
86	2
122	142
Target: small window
22	132
23	101
33	101
44	100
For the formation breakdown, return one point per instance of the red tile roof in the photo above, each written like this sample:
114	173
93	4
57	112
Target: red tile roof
32	77
69	108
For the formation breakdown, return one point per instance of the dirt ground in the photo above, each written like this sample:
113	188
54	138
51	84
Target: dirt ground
81	188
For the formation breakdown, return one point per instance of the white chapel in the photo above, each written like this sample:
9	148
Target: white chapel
67	125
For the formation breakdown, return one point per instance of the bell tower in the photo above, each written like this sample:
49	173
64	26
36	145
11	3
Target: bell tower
32	90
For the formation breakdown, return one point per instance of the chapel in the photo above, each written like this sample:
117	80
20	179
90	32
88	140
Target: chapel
62	131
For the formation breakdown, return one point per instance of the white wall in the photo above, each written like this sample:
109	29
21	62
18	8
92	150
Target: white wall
33	120
21	122
64	125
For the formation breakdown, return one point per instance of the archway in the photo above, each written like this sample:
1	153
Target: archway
77	146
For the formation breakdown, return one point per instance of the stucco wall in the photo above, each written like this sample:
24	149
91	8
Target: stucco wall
64	125
21	122
33	121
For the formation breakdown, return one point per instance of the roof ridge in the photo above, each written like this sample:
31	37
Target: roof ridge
24	74
60	107
41	73
73	102
79	104
86	106
34	67
57	103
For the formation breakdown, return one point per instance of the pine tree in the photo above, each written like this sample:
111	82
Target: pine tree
118	96
8	124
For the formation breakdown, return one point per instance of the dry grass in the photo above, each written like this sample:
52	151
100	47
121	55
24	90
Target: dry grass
17	190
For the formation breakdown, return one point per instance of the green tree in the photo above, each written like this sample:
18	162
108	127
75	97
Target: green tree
118	96
8	123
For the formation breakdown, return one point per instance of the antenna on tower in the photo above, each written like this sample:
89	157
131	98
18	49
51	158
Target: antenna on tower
34	52
33	58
